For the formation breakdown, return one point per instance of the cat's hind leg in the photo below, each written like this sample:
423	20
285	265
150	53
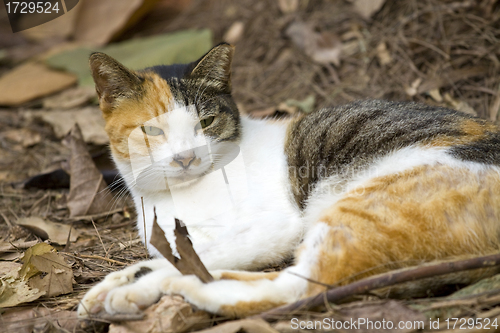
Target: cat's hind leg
93	301
240	293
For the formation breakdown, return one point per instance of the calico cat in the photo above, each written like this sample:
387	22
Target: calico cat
351	190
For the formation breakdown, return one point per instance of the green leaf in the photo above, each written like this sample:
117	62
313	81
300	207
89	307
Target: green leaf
180	47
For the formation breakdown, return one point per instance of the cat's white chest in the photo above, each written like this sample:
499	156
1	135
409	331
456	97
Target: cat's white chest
241	208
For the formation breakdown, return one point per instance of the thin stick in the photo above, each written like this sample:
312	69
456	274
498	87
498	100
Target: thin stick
95	216
144	222
6	220
86	256
98	235
384	280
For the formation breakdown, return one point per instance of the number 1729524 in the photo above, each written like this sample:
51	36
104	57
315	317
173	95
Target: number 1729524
31	7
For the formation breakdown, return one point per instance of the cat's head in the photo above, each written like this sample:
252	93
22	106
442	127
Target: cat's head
168	121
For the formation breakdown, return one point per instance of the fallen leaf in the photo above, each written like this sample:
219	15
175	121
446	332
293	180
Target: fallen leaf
87	193
60	28
243	326
323	47
14	246
366	8
23	136
189	262
170	314
13	289
30	81
46	270
56	232
383	55
89	118
234	33
101	21
70	98
288	6
39	320
179	47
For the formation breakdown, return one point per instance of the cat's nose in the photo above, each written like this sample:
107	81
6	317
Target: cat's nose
184	161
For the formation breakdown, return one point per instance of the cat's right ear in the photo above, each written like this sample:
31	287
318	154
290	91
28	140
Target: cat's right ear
113	81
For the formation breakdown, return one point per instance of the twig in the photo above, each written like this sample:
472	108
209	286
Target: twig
96	216
6	220
93	256
384	280
117	317
98	235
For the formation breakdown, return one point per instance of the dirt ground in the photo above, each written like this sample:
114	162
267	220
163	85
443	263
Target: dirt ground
291	56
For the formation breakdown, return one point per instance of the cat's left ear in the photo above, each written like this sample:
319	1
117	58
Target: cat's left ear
215	67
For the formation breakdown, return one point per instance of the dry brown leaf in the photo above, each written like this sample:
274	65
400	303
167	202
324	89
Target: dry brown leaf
13	289
366	8
87	192
101	21
55	232
189	262
324	47
60	28
13	246
89	118
170	314
31	81
46	270
234	33
243	326
39	320
70	98
23	136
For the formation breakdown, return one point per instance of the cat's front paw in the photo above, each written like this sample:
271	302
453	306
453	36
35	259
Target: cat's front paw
131	298
93	301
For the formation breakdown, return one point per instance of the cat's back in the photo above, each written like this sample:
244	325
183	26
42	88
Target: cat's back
347	140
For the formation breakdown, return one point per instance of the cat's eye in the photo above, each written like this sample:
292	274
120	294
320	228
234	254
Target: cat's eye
207	121
151	130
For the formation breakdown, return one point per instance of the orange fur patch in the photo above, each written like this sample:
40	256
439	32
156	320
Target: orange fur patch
427	213
243	309
130	114
248	276
473	131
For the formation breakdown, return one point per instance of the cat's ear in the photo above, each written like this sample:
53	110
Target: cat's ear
215	67
113	81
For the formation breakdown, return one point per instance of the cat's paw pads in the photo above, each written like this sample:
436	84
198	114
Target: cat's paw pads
130	299
93	301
